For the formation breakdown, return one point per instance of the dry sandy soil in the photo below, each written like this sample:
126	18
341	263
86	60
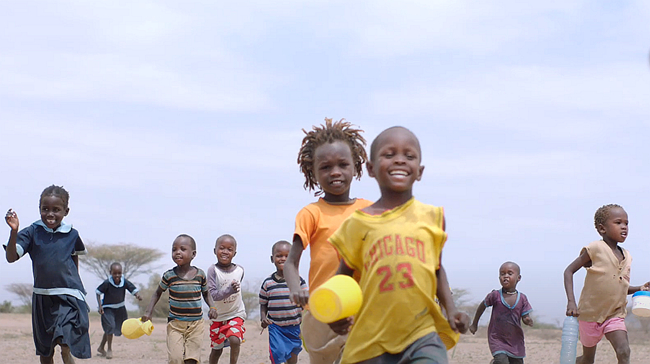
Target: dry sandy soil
543	346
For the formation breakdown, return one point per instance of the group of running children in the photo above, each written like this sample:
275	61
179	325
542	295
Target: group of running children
393	247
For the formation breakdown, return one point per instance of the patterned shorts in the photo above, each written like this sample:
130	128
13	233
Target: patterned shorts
220	331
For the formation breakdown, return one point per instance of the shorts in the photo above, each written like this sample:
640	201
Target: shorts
220	331
112	320
184	341
284	341
427	349
323	345
592	332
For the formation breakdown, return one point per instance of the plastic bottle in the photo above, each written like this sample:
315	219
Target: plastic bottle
569	340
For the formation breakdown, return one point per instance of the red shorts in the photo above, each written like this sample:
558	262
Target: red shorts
220	331
592	332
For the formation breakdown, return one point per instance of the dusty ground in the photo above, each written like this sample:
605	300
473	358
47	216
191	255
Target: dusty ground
543	346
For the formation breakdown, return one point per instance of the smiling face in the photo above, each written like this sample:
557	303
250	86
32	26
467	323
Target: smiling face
280	254
182	251
334	170
53	210
225	249
116	273
396	160
615	228
509	276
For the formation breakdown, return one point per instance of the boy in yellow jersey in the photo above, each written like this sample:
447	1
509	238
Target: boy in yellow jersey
396	245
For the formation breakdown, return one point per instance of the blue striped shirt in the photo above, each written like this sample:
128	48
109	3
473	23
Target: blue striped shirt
184	294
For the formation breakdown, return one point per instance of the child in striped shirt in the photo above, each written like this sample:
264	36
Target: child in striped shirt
186	284
278	313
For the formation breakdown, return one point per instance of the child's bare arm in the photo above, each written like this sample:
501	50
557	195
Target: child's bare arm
527	320
212	313
635	289
579	262
292	275
264	312
477	316
458	321
154	299
344	269
99	304
10	250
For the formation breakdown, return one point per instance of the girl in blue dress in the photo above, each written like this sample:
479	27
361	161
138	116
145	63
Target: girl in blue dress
59	310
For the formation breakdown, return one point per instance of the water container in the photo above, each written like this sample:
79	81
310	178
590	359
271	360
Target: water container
641	303
570	331
133	328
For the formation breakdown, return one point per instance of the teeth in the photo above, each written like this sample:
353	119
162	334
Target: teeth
398	173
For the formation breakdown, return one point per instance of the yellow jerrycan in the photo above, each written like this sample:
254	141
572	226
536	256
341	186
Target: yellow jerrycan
133	328
337	298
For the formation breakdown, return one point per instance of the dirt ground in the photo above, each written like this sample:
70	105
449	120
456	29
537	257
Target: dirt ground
543	346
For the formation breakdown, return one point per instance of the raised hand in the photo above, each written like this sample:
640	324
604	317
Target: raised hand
12	219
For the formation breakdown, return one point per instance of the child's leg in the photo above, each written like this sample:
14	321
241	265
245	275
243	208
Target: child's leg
109	341
621	345
293	359
65	355
235	344
214	355
100	349
588	355
47	359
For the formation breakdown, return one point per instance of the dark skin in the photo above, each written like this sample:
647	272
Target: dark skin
613	232
508	277
334	171
396	167
182	253
279	258
53	209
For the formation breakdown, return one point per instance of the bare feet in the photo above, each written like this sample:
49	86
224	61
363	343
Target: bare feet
109	354
101	352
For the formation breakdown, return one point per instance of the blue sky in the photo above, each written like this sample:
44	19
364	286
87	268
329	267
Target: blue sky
163	118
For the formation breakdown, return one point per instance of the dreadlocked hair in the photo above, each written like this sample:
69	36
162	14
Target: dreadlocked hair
57	191
603	213
329	133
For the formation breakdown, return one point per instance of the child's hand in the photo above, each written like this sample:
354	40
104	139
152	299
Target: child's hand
266	322
300	298
145	318
212	314
342	326
646	286
527	320
12	219
473	328
101	310
137	295
572	309
235	285
459	321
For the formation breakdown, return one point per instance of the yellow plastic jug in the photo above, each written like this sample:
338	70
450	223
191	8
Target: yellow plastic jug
133	328
339	297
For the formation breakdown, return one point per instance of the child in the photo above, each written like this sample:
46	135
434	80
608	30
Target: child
224	285
330	157
509	308
396	245
59	310
186	285
278	312
112	307
601	310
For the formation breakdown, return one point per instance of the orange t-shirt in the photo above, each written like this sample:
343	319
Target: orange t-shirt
315	223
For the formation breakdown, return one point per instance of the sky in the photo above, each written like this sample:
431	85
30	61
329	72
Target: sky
163	117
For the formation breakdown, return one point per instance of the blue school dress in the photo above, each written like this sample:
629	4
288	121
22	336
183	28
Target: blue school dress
113	304
59	309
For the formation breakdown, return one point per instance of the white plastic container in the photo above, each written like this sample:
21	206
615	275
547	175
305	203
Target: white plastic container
641	303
